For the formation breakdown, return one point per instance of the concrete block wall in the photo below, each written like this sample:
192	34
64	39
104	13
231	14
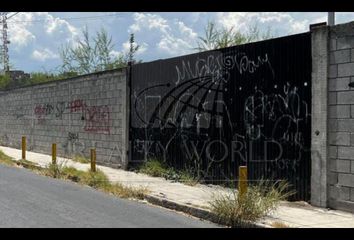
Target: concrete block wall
340	168
78	114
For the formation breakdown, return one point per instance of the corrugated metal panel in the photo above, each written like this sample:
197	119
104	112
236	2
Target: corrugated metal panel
214	111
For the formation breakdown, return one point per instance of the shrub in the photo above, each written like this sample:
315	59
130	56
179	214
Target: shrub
188	178
81	159
259	200
73	174
95	179
154	168
119	190
53	170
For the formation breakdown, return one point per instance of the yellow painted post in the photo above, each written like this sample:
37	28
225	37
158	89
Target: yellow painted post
93	160
242	181
23	147
54	153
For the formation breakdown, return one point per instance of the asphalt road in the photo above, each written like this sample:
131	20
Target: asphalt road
31	200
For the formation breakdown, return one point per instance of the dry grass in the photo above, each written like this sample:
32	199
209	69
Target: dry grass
157	168
81	159
279	225
97	180
188	178
119	190
257	202
28	164
6	160
154	168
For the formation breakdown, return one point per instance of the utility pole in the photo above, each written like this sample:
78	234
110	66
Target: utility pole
5	41
331	20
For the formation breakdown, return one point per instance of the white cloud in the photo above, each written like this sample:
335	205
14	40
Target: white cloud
241	21
148	21
114	54
174	45
173	36
272	17
20	36
18	29
187	31
43	55
141	49
299	26
23	29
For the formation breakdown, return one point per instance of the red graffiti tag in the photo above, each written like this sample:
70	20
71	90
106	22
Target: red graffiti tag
97	119
77	105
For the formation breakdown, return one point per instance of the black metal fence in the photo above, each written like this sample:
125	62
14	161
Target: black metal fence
214	111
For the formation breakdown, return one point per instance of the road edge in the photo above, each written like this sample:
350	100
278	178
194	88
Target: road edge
196	212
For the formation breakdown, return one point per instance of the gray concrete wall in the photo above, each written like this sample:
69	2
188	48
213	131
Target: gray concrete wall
340	178
78	114
319	43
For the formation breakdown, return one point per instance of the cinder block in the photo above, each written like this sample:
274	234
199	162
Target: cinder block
332	151
346	152
345	179
339	111
333	71
332	178
339	193
339	138
345	42
333	44
352	139
338	84
332	98
346	97
352	111
345	125
341	166
345	69
341	56
352	167
352	54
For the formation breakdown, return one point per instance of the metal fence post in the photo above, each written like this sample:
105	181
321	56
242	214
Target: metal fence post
23	147
242	181
54	153
93	160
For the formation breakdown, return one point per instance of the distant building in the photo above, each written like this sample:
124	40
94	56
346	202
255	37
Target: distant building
17	75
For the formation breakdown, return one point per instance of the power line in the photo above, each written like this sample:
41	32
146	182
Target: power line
69	18
13	15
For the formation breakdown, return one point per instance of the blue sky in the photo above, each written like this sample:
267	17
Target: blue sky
36	36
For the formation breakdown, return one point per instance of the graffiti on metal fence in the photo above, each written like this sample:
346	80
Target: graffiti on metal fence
214	111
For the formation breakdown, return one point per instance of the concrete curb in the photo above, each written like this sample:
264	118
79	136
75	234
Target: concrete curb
196	212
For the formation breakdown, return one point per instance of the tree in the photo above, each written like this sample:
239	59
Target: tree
215	38
94	54
133	48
